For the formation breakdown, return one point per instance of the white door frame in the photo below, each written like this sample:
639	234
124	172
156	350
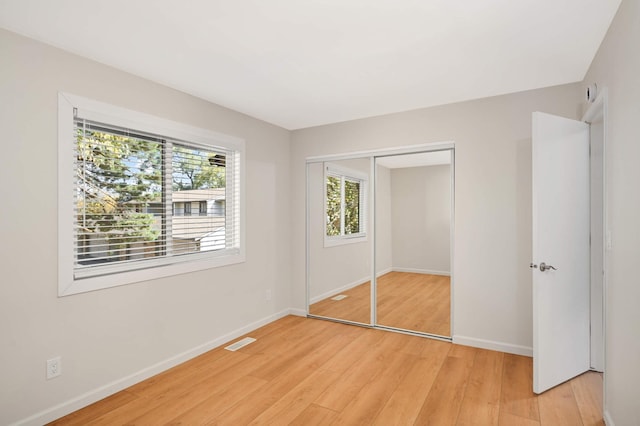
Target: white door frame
600	240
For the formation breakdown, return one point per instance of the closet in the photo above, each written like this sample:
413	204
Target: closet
380	239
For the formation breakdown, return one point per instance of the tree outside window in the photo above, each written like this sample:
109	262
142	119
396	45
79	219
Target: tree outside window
344	198
119	195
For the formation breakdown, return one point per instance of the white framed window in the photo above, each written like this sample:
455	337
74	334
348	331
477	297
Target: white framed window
127	182
345	205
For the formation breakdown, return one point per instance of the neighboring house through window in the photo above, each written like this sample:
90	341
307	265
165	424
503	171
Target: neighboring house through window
128	184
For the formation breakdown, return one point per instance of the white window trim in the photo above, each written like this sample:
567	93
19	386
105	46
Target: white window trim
331	169
102	112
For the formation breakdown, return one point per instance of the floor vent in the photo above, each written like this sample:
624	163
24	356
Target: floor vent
339	297
240	344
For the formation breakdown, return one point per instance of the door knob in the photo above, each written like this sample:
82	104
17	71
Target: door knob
544	267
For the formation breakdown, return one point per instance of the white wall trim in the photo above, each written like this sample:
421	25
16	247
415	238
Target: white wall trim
346	287
298	312
421	271
493	345
384	272
95	395
408	149
338	290
607	418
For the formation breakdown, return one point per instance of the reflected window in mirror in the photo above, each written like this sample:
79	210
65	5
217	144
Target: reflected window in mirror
345	205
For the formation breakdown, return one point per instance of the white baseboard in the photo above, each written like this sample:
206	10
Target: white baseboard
102	392
346	287
384	272
421	271
338	290
607	418
493	345
298	312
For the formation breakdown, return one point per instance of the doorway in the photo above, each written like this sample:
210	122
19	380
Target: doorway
596	117
568	228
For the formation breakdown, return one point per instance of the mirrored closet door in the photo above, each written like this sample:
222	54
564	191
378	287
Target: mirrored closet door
338	239
413	242
379	240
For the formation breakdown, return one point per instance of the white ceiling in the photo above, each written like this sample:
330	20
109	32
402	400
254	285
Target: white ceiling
302	63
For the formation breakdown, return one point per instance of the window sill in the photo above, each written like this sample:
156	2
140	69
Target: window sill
340	241
75	286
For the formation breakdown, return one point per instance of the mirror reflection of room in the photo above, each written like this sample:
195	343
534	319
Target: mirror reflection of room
339	240
413	198
413	242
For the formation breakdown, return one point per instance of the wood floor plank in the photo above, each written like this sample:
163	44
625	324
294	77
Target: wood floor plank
283	339
403	406
354	379
481	403
93	411
587	389
297	371
314	415
517	388
355	350
507	419
460	351
124	413
368	402
318	336
185	399
558	407
407	344
217	402
447	392
170	387
178	380
186	402
435	347
294	402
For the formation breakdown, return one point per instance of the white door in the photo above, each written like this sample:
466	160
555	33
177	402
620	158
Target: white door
560	264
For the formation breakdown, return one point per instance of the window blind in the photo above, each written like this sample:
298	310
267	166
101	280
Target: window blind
143	200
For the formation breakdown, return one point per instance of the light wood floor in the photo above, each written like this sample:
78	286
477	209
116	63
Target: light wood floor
418	302
355	307
303	371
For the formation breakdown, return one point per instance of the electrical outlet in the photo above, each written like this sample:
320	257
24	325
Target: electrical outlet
54	367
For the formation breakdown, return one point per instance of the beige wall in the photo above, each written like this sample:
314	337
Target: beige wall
492	279
420	219
105	336
617	67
